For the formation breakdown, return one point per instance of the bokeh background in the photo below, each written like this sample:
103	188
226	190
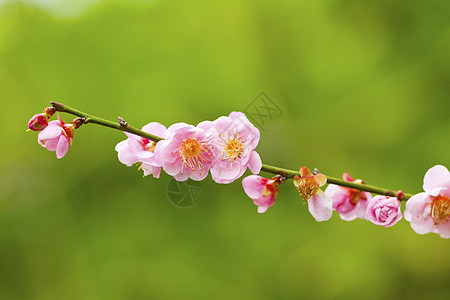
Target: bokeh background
363	87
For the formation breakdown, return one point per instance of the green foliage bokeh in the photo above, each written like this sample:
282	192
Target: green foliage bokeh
363	88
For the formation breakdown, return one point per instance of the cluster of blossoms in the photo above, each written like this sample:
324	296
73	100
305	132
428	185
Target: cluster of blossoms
226	148
55	135
427	212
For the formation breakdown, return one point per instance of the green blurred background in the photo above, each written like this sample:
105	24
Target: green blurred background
363	87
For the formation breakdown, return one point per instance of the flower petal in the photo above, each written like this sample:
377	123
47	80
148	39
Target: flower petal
255	163
205	125
51	131
320	206
320	179
50	145
62	147
121	145
435	178
444	230
305	172
422	226
174	168
226	172
149	169
155	128
253	186
415	206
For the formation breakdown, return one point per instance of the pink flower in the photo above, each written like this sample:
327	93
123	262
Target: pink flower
349	203
237	140
430	211
39	121
57	136
137	149
319	203
263	191
188	151
384	211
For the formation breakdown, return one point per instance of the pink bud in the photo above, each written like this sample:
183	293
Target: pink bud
39	121
384	211
400	195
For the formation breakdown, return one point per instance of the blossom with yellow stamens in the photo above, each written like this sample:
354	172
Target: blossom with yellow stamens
237	140
140	150
319	203
188	151
430	211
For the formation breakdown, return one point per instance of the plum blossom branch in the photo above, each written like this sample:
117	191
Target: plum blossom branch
124	126
121	125
358	186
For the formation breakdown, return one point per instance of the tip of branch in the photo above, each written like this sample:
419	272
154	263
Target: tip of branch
56	105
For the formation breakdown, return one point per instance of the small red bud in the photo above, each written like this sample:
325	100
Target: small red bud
38	122
49	111
77	122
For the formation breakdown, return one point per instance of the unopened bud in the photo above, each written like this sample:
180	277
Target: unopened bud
39	121
49	111
77	122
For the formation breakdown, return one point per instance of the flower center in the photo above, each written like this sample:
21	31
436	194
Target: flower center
147	144
356	195
307	187
440	209
233	149
191	151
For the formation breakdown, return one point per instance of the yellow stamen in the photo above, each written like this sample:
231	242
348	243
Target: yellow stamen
191	151
307	187
233	149
440	209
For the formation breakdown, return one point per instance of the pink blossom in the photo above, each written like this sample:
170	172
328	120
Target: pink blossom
349	203
39	121
57	136
319	203
384	211
237	140
188	151
430	211
263	191
137	149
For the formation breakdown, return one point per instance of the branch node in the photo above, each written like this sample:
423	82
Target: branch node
390	194
78	122
122	122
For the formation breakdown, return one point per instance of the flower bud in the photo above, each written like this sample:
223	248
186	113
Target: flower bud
57	136
384	211
263	191
39	121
